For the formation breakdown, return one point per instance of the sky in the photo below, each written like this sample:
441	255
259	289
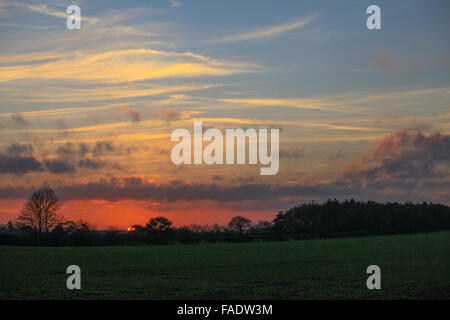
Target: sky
362	113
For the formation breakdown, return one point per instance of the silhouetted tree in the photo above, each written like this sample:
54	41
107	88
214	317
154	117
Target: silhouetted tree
354	217
262	226
239	224
40	212
159	224
10	226
76	226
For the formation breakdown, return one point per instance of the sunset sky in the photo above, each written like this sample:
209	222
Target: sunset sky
362	113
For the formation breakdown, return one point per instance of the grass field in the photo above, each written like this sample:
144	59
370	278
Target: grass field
412	267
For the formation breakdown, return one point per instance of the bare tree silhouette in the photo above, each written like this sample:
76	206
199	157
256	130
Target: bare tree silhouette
239	224
40	212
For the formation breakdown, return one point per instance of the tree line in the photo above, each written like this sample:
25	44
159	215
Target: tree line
39	223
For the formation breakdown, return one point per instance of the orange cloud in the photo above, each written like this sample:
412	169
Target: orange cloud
122	66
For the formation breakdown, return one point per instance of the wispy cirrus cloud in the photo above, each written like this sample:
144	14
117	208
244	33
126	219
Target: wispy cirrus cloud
47	94
354	101
317	104
267	32
120	66
46	10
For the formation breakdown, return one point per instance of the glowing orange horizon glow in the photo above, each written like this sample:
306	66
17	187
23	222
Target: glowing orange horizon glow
123	214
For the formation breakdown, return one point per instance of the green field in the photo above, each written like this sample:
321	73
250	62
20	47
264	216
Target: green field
412	267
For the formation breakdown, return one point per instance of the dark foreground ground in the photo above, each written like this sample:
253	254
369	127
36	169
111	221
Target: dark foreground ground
412	267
